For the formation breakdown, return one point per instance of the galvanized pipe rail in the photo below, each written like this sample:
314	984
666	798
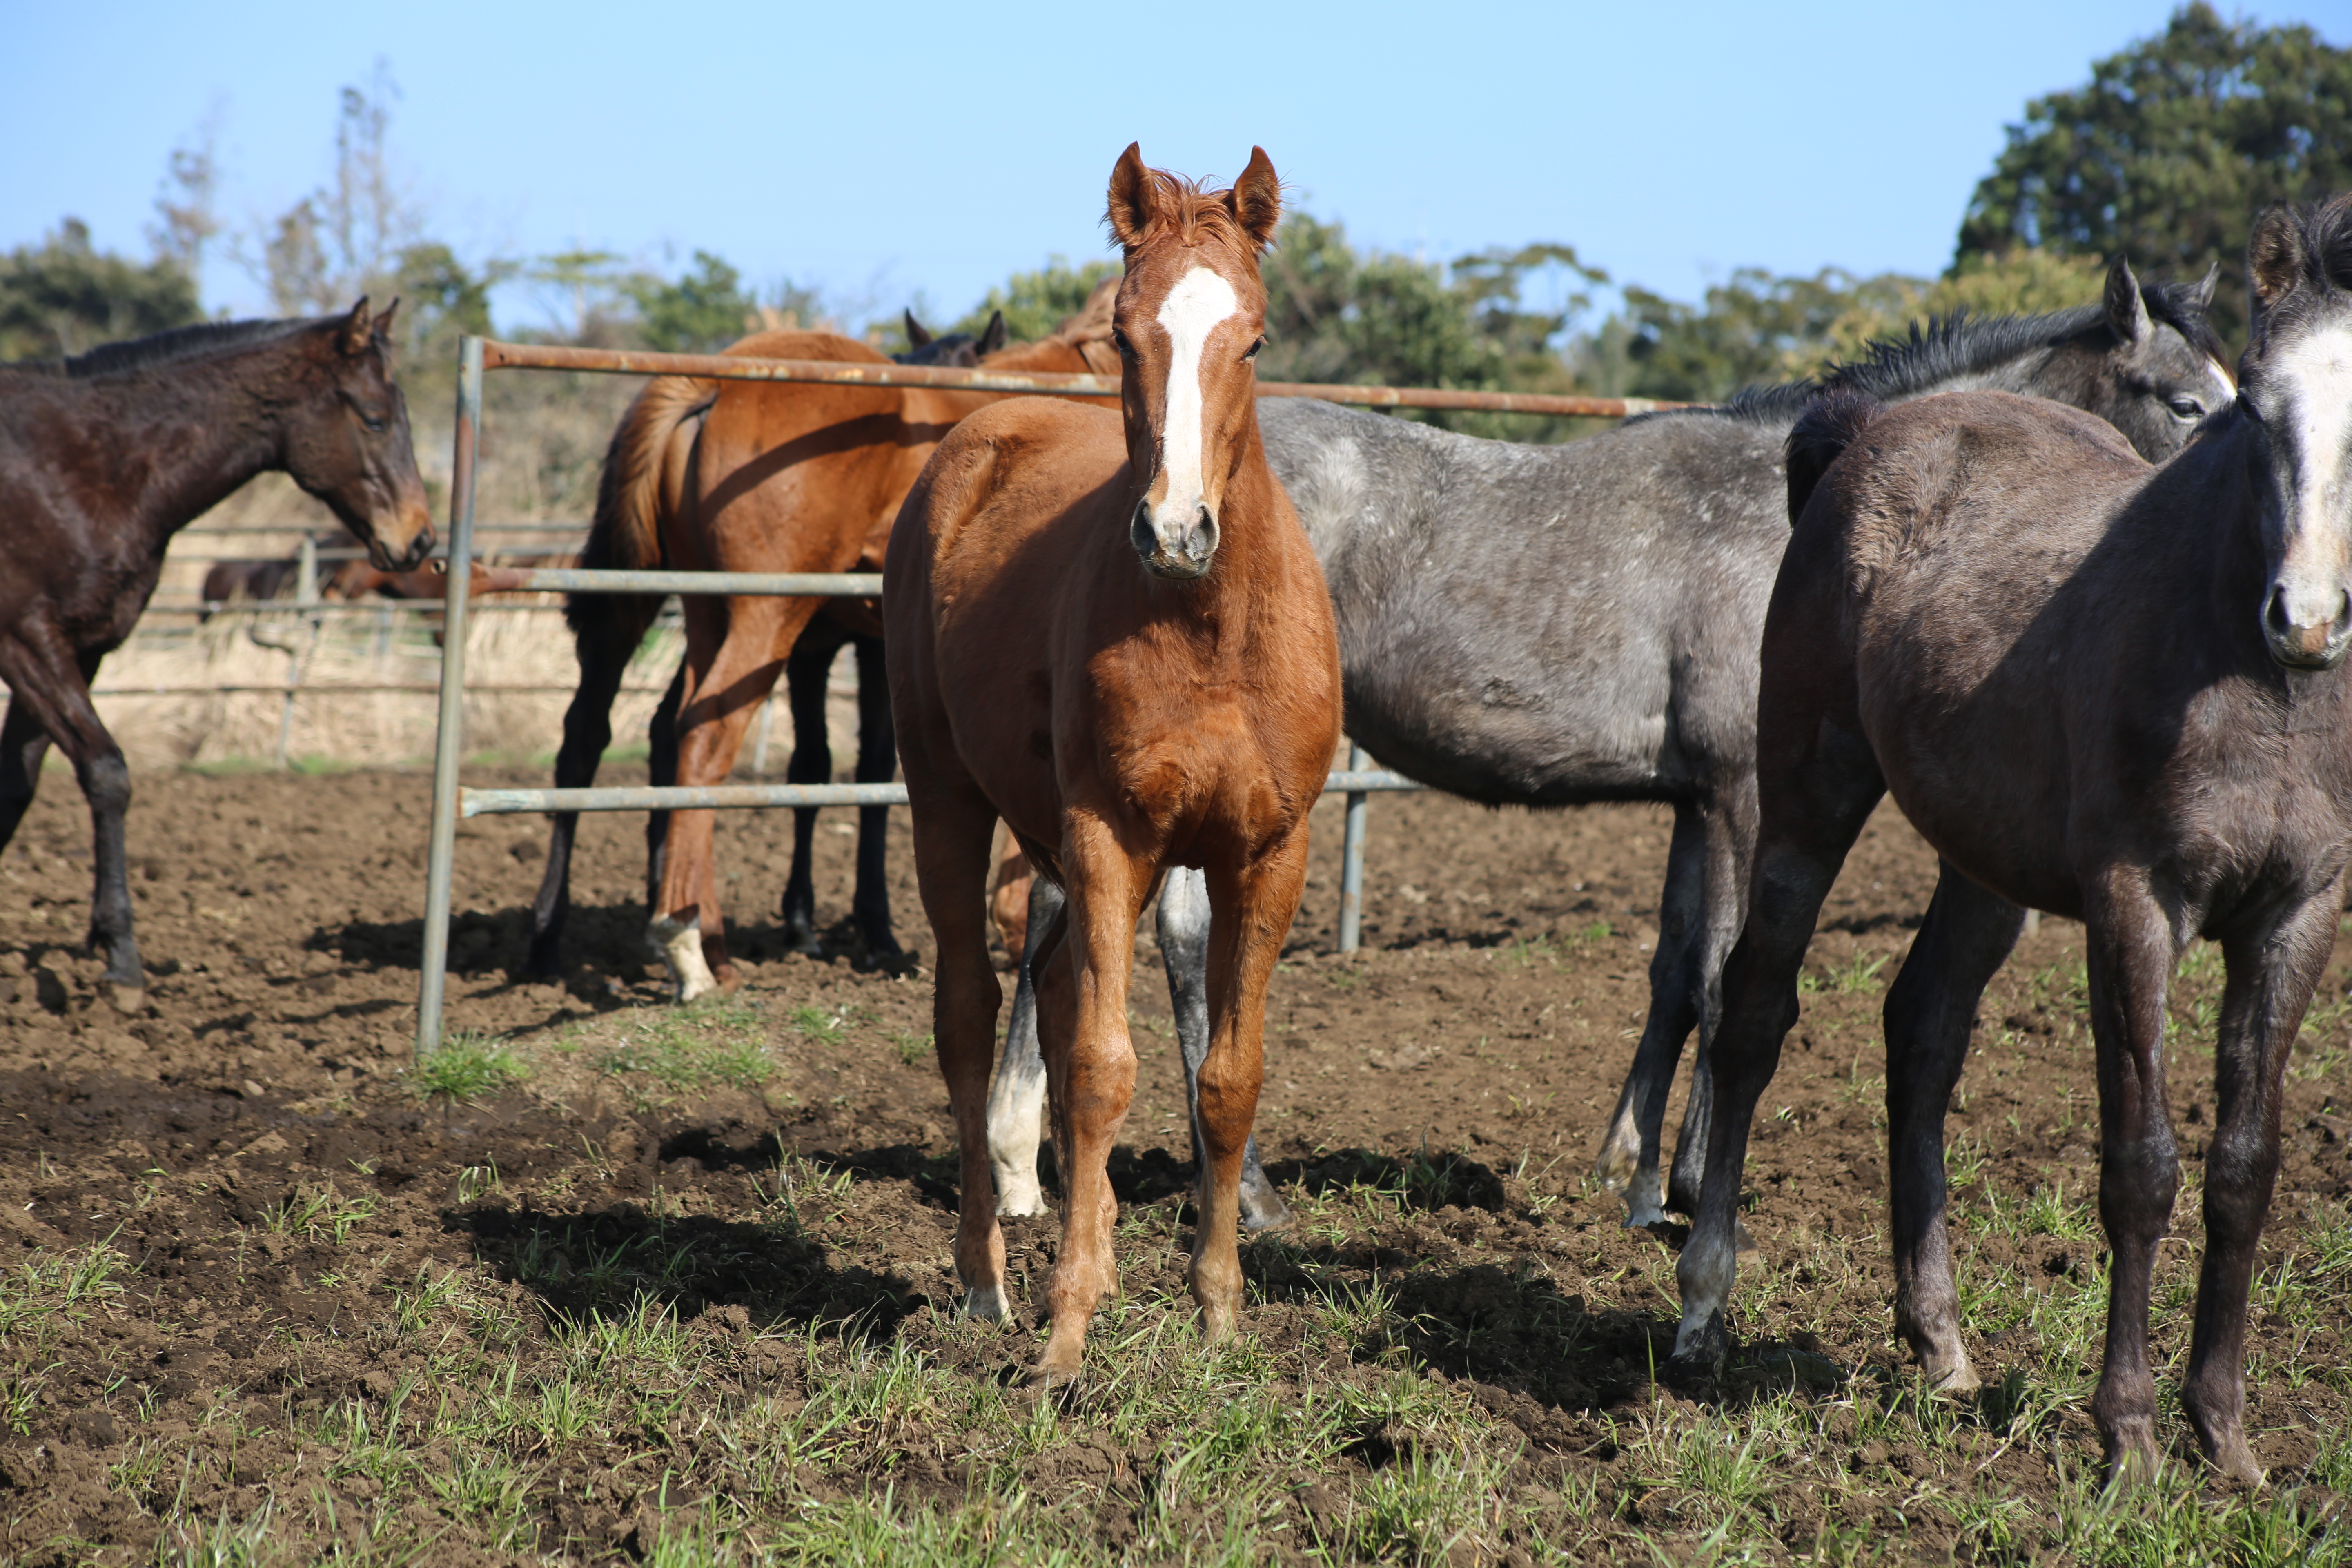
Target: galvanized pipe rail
477	356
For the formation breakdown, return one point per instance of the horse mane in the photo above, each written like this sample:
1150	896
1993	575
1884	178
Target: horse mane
1198	213
157	350
1951	348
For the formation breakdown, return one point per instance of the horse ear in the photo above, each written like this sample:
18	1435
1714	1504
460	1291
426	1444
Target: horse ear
1256	199
915	336
992	338
2203	293
359	329
2127	312
1131	209
2275	261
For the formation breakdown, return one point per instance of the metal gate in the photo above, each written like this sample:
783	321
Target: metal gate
477	356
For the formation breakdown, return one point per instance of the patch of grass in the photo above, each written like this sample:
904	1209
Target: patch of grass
818	1025
466	1066
912	1048
53	1287
676	1050
318	1213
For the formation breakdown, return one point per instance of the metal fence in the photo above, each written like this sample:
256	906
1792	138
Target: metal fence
476	355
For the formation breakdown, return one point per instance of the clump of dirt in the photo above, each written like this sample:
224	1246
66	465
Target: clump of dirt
692	1273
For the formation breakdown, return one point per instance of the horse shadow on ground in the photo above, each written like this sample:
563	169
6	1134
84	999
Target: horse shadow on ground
608	1263
603	945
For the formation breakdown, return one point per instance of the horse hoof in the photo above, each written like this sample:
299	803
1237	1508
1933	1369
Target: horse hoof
1017	1198
985	1303
1264	1209
128	1000
1643	1216
679	940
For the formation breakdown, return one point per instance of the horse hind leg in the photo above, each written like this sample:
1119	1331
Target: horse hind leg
1184	953
807	673
877	760
1628	1151
1930	1012
950	833
22	745
1016	1099
587	730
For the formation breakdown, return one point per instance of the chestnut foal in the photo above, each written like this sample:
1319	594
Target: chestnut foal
1119	642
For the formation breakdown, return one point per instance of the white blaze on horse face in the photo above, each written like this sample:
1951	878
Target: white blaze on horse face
2316	375
1192	311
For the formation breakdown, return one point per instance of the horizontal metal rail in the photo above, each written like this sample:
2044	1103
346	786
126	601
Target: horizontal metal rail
725	797
792	585
231	531
333	689
337	606
498	355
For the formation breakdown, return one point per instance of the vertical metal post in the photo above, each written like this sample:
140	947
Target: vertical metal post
306	596
1351	855
449	745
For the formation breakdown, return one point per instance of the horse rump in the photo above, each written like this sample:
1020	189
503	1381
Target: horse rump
1830	424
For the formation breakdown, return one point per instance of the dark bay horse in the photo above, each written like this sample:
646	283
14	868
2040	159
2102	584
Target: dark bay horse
1111	633
1549	626
2098	688
103	459
759	476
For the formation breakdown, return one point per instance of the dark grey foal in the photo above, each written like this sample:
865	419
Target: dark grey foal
2107	691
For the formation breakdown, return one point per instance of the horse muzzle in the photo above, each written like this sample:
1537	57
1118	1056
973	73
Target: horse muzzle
1173	542
2300	640
416	527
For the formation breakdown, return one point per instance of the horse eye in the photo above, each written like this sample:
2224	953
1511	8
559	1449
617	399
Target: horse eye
2187	407
1119	340
1254	348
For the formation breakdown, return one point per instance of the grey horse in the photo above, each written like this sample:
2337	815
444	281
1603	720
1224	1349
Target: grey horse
1552	625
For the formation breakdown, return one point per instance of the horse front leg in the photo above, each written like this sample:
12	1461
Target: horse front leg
2271	974
1016	1099
1930	1013
1090	1069
1184	953
1254	907
2132	947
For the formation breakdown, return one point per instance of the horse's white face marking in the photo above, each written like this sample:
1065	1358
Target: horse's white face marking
2312	408
1192	311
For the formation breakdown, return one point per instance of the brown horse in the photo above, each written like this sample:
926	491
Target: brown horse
1113	634
2107	691
103	459
743	476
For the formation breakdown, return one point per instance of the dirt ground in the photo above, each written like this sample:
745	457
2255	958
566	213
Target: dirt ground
230	1227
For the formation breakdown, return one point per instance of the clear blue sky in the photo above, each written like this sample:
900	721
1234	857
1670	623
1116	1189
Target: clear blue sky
905	147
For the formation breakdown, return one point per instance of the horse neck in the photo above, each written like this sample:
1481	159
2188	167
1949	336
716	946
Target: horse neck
188	436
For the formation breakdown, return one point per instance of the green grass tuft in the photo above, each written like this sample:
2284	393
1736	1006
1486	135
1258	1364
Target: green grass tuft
466	1066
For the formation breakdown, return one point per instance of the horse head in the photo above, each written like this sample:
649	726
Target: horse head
2295	383
953	351
1189	320
2163	371
348	443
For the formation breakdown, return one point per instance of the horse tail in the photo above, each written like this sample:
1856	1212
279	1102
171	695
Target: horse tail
626	532
1830	424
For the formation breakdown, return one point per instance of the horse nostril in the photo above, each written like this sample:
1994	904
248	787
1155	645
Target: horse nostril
1139	530
2275	616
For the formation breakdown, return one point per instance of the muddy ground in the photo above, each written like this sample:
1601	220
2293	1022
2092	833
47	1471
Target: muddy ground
278	1190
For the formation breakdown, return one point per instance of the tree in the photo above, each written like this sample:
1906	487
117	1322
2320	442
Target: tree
2171	150
1034	303
65	296
345	238
703	311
